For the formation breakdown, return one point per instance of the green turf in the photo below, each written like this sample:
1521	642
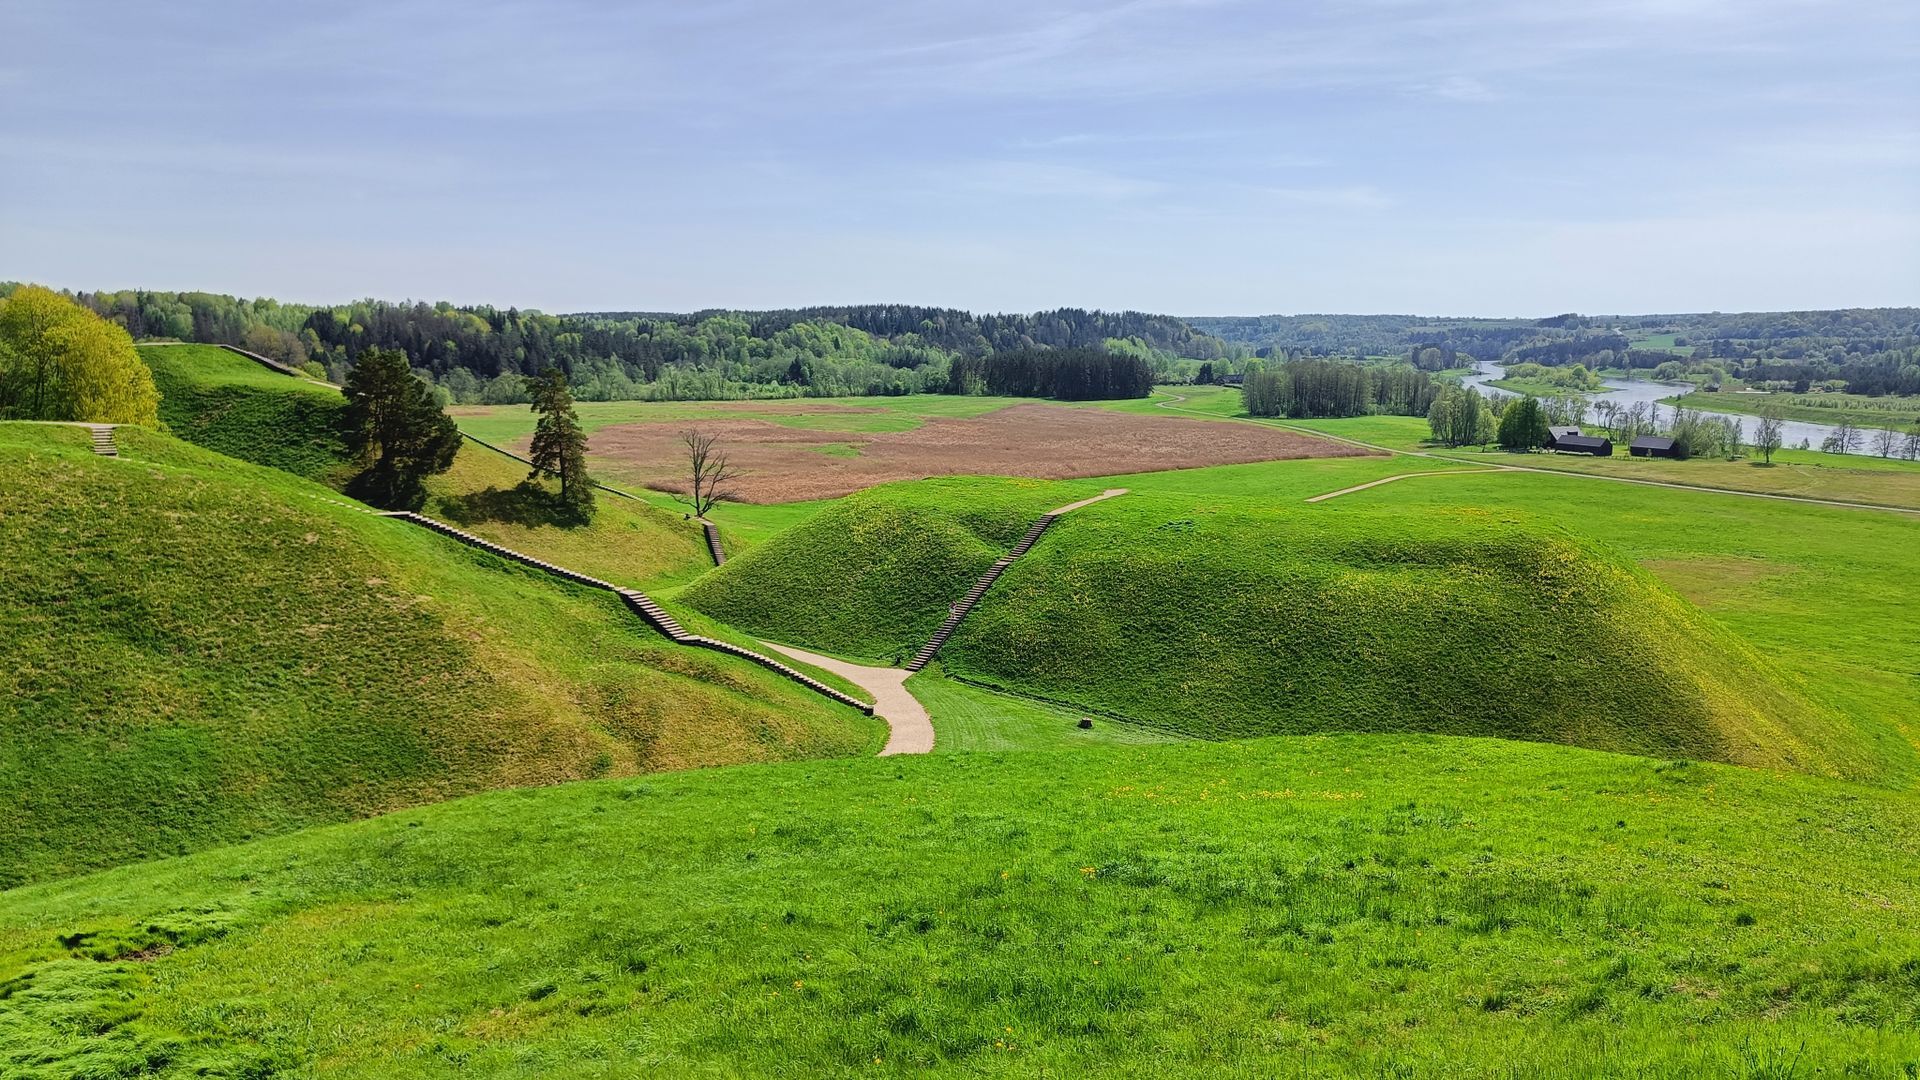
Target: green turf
226	402
1872	412
1826	594
1364	906
870	576
1224	620
197	651
969	718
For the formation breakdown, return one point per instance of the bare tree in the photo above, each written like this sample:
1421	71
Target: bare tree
1886	441
712	472
1769	435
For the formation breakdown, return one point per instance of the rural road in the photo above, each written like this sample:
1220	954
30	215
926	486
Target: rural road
910	731
1172	405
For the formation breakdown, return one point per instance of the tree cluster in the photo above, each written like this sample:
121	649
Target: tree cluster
1329	388
1073	374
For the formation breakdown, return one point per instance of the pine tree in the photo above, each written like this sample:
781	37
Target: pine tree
559	446
393	425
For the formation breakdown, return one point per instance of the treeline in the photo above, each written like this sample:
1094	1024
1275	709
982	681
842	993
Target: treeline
1871	351
483	354
1065	374
1327	388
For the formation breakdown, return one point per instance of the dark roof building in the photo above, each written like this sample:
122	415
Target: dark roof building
1653	446
1583	444
1555	434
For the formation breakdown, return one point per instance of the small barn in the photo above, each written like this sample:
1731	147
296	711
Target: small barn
1233	380
1556	433
1583	444
1653	446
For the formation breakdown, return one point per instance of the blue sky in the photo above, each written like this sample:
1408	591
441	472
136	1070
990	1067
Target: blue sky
1196	157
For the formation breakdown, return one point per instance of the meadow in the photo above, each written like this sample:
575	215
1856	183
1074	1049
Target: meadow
1874	412
205	650
1360	906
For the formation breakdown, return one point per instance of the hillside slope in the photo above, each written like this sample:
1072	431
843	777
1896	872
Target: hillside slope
226	402
871	575
1223	618
1367	906
200	651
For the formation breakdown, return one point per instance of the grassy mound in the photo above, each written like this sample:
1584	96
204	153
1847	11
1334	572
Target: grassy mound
196	651
1370	906
1228	622
226	402
872	575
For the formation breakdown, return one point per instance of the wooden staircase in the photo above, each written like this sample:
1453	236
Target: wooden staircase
642	604
102	435
959	610
713	542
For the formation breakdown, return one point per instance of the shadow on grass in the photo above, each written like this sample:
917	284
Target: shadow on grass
526	503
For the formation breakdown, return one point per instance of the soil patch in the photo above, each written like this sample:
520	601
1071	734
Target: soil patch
1045	442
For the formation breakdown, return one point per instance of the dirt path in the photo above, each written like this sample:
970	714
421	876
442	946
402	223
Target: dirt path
910	730
1401	476
1172	405
1107	494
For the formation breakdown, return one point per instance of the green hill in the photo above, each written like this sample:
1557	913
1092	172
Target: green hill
226	402
1224	619
197	651
871	575
1367	906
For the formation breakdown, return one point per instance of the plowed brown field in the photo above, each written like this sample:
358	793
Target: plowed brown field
1049	442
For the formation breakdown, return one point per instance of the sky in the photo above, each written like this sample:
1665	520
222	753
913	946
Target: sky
1196	157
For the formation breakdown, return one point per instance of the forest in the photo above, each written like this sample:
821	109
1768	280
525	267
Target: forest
1072	374
483	354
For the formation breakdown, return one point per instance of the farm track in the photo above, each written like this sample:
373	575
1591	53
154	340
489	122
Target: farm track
1172	406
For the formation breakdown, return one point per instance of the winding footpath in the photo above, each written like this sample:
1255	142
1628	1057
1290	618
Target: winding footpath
909	729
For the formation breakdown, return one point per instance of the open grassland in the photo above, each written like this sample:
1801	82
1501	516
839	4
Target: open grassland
871	576
196	651
1225	621
1365	906
1827	595
228	403
1807	474
968	718
1874	412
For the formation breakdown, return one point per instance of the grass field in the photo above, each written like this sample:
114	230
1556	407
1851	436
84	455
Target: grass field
1224	620
1874	412
228	403
1341	906
199	651
1801	473
968	718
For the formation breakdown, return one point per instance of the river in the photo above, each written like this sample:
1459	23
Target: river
1624	393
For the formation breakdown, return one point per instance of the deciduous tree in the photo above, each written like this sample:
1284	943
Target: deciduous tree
60	361
710	470
1768	436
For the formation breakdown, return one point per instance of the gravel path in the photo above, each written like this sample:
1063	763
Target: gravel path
910	731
